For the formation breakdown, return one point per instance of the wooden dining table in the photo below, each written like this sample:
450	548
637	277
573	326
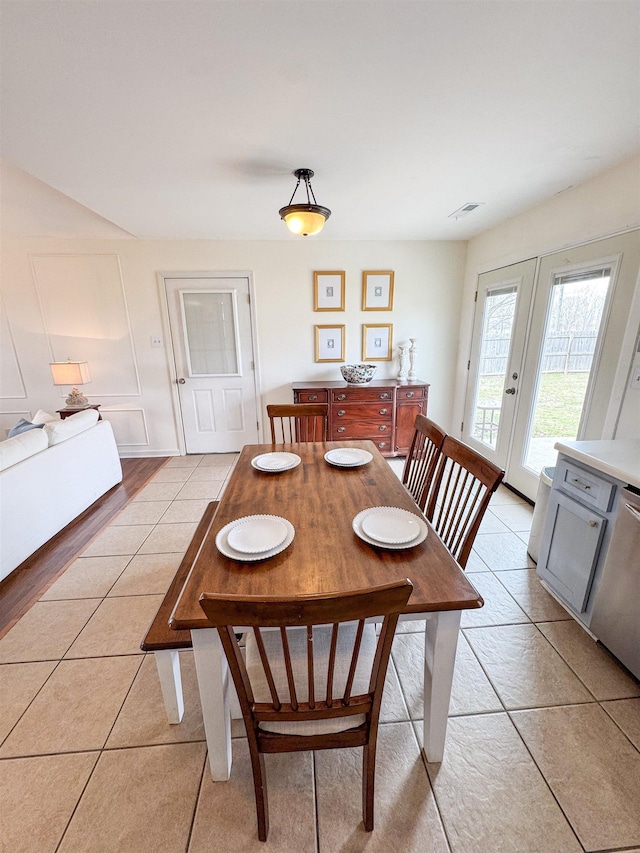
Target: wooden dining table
326	555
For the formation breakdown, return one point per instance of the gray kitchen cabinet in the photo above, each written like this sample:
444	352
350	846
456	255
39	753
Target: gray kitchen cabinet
576	533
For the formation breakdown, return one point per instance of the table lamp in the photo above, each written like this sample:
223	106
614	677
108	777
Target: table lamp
72	373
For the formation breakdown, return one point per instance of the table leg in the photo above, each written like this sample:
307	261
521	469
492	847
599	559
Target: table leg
168	665
213	677
440	641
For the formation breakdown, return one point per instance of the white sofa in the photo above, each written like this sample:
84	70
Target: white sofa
48	477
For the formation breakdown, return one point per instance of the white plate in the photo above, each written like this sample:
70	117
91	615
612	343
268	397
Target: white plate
277	461
256	534
223	545
348	457
357	527
391	525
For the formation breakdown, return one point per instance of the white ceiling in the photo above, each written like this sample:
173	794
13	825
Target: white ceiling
186	118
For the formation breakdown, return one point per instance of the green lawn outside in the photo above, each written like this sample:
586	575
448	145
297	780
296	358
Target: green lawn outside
559	406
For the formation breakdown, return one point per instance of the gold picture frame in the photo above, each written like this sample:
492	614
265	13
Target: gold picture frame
328	290
329	343
377	290
377	341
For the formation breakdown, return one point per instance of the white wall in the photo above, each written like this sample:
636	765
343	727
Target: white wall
428	287
605	205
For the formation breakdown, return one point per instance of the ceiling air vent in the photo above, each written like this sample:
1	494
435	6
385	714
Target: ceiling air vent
465	210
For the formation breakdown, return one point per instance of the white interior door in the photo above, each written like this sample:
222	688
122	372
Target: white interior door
213	348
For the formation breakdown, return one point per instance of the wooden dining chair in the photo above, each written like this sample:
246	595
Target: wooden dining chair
462	488
424	453
298	422
317	682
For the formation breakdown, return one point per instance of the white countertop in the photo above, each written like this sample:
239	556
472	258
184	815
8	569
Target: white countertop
620	458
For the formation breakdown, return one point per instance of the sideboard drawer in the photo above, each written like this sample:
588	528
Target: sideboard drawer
361	394
411	393
311	397
360	430
362	411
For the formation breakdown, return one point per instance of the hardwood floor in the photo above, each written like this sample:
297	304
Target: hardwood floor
24	586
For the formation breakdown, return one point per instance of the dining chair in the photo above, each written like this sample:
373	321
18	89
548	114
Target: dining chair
317	682
462	488
421	462
298	422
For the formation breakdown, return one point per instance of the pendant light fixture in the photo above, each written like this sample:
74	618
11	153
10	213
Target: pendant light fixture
305	219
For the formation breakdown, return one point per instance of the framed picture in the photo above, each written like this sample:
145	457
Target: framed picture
377	290
377	342
329	343
328	291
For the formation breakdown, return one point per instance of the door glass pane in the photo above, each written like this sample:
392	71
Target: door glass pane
495	346
210	332
574	316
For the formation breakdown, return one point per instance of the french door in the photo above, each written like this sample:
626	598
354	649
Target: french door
502	308
545	351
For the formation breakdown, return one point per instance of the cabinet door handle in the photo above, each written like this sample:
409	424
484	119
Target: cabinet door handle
409	394
382	427
341	429
341	413
382	444
313	396
580	484
593	523
384	396
383	411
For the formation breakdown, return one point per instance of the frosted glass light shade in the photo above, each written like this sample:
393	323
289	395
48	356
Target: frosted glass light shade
70	372
305	219
300	220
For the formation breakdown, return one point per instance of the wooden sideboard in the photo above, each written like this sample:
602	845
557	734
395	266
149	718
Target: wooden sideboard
383	411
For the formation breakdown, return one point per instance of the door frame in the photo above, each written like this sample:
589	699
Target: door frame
168	343
626	355
522	478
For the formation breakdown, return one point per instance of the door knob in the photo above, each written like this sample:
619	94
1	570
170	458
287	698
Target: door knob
510	391
182	381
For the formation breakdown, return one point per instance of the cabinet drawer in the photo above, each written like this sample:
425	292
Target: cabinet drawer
360	429
311	396
361	395
411	393
362	411
585	486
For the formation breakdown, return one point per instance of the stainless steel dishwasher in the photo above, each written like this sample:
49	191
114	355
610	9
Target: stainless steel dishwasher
616	610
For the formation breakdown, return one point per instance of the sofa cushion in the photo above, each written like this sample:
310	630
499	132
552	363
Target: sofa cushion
59	431
20	447
23	425
41	417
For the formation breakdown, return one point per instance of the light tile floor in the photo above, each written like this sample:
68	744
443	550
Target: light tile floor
543	745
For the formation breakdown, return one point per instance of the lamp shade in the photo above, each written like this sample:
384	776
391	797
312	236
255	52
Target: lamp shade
70	372
305	219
